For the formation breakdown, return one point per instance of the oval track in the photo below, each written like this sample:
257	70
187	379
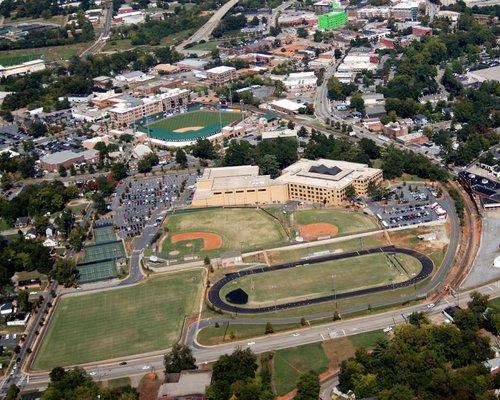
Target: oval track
214	292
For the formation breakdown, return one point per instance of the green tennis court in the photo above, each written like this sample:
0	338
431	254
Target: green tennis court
97	271
104	251
104	234
191	125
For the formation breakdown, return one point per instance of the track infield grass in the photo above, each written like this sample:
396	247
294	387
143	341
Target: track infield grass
345	221
316	280
120	322
243	229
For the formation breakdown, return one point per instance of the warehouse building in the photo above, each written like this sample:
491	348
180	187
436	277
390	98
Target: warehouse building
24	68
67	158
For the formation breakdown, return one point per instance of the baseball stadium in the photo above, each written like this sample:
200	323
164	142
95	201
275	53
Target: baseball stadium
184	129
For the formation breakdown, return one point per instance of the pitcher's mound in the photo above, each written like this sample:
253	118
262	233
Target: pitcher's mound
320	229
188	129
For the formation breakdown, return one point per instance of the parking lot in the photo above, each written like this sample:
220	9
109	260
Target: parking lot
409	207
138	203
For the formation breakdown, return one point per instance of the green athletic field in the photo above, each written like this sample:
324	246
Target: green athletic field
120	322
9	60
241	229
203	123
316	280
345	221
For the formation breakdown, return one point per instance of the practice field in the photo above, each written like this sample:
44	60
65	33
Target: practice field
241	229
8	60
104	251
343	221
317	280
191	125
120	322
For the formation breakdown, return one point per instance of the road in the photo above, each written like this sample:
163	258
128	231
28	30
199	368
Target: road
273	21
106	28
206	30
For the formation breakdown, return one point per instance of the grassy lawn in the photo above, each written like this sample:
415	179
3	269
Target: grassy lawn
118	383
52	53
119	322
316	280
207	46
3	223
367	339
240	229
281	256
211	335
77	207
345	221
289	364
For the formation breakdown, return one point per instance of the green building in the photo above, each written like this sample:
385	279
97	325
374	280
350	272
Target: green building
337	18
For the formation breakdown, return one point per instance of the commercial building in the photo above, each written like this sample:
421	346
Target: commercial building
316	181
326	181
285	106
301	80
129	109
395	129
222	74
186	385
241	185
24	68
405	11
332	20
67	158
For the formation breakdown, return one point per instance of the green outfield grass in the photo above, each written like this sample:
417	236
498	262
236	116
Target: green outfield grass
345	221
241	229
119	322
316	280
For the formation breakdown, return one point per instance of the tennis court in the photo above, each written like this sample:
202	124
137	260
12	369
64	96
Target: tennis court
104	234
97	271
103	251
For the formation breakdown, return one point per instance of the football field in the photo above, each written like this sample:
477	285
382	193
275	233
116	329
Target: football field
120	322
322	279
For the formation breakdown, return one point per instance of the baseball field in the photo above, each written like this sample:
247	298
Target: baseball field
120	322
211	232
316	280
192	125
315	223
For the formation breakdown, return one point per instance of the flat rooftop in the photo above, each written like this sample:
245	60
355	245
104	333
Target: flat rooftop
330	174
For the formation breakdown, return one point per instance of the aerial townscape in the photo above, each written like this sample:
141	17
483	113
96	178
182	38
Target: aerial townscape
250	199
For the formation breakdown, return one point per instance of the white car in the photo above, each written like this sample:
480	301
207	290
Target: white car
296	334
93	373
388	329
250	343
431	305
145	367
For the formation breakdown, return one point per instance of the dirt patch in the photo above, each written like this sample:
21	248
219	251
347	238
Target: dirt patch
314	231
173	253
149	386
188	129
211	241
338	350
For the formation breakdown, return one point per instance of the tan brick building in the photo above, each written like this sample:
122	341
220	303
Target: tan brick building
320	181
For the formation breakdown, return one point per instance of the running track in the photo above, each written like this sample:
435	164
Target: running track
214	292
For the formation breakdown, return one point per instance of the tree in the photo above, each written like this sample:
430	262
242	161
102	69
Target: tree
203	148
179	359
62	171
418	319
269	165
302	32
100	205
350	193
76	237
308	386
12	392
358	103
337	54
290	125
181	158
269	328
370	148
241	366
23	302
302	132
